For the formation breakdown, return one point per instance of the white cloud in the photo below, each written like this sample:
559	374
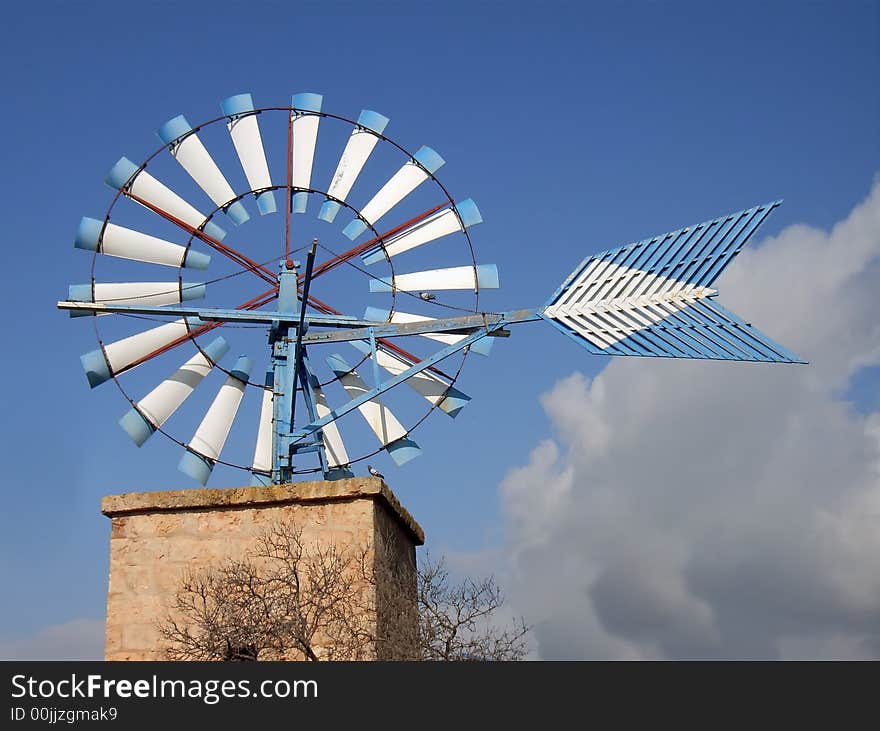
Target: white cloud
702	509
78	639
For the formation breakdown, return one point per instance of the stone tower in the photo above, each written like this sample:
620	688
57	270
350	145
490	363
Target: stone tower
158	536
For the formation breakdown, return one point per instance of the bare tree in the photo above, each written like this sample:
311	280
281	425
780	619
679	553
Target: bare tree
457	621
279	602
287	600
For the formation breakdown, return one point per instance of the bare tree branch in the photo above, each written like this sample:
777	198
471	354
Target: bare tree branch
456	620
289	600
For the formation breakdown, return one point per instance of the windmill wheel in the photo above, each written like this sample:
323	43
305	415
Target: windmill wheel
233	205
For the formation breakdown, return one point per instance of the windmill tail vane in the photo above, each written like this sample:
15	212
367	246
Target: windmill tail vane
654	297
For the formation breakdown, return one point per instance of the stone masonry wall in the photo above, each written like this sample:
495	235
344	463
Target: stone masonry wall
157	536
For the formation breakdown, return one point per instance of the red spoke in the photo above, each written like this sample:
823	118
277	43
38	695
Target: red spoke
252	304
264	273
322	307
236	256
361	248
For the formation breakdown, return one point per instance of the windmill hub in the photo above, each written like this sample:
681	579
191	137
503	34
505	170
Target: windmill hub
654	297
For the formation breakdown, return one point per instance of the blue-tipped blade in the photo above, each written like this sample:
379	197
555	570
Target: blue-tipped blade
483	346
469	213
354	229
403	450
266	203
87	234
96	367
381	284
196	259
307	102
237	104
237	213
328	211
196	466
212	229
429	159
174	129
193	291
80	293
136	426
453	402
300	202
121	173
242	368
373	121
216	349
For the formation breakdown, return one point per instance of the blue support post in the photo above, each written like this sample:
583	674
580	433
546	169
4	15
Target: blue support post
373	356
290	365
282	366
301	329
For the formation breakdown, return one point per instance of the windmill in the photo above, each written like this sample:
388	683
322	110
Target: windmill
407	241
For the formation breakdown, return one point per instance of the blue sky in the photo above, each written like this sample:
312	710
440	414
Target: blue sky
575	126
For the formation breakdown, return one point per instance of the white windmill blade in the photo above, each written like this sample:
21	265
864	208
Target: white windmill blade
388	430
158	405
263	449
186	147
305	123
135	293
413	173
482	276
438	393
440	224
375	314
334	447
102	364
126	243
126	175
244	129
210	437
357	151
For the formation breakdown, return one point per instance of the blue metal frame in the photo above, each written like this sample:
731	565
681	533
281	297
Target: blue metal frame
289	366
282	369
383	386
672	315
693	257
